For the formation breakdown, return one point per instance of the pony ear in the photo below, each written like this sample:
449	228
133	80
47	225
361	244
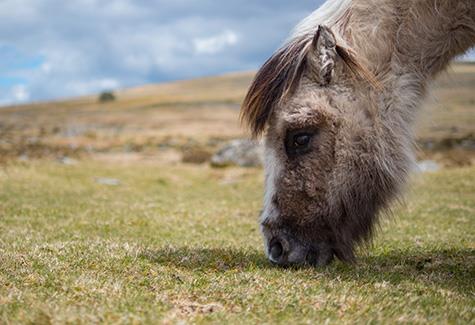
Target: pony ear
322	55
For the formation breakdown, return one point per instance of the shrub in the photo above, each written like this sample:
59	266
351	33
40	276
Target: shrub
106	96
196	155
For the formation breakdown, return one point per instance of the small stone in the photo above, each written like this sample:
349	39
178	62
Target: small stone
67	161
107	181
426	166
24	158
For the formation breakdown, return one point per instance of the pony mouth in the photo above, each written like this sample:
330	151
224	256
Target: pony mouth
319	258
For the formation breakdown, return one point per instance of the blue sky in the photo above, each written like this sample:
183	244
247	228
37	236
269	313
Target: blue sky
52	49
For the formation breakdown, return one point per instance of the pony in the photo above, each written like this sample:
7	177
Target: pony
336	104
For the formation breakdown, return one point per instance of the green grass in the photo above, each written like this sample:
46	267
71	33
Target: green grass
182	243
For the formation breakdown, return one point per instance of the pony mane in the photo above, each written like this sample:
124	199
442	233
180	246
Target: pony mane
280	75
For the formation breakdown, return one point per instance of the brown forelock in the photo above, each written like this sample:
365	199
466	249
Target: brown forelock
275	78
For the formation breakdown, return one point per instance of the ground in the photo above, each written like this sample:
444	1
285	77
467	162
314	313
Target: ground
168	243
110	212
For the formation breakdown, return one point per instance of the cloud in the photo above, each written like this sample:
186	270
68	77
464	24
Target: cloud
216	43
83	87
20	93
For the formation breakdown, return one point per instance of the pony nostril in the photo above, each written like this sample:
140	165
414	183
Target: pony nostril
276	251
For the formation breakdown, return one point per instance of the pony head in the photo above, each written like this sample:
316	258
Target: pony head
331	163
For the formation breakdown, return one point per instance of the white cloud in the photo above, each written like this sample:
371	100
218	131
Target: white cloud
20	93
15	95
90	86
216	43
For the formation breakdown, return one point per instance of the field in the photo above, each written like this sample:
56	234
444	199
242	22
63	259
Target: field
102	221
182	243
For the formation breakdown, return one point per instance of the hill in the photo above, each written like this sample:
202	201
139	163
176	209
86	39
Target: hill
201	114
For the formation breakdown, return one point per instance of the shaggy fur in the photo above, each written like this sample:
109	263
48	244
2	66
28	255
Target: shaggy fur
351	77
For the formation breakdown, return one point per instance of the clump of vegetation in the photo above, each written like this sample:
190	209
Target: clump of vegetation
196	155
106	96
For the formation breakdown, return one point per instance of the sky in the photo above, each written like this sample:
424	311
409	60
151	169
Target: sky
52	49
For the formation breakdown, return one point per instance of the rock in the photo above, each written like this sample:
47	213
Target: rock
107	181
427	166
23	157
67	161
240	152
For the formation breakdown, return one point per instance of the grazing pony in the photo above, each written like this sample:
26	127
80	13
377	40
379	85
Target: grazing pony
337	103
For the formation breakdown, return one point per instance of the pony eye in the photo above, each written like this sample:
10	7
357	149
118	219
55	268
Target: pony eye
301	139
298	142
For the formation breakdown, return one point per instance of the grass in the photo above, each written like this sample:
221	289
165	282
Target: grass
181	243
